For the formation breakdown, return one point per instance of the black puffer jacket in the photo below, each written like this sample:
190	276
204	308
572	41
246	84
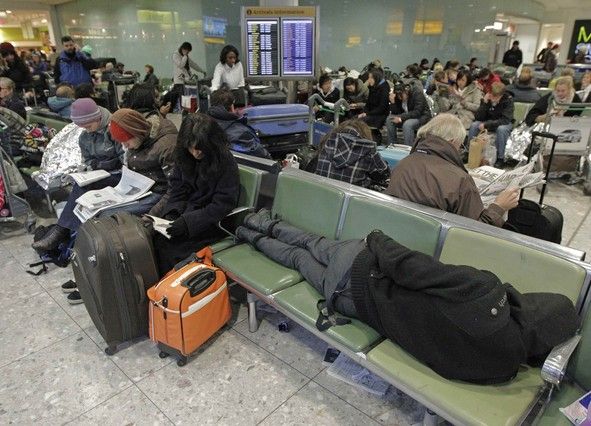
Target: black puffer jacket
418	107
497	115
203	199
462	322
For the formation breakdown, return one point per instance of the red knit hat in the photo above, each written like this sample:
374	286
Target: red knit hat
118	133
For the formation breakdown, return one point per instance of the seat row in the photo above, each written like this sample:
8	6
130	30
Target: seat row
339	211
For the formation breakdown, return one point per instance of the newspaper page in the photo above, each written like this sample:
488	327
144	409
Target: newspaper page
161	225
491	181
86	178
131	188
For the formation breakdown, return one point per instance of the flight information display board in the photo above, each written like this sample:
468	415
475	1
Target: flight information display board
298	47
280	42
262	42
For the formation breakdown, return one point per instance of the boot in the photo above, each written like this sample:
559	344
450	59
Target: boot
248	235
52	239
260	221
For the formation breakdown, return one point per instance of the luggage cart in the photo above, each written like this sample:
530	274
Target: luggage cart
570	142
319	128
17	206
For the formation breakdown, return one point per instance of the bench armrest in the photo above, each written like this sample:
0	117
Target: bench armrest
234	219
554	367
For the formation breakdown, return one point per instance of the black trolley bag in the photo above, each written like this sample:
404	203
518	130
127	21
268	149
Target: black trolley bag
536	219
114	265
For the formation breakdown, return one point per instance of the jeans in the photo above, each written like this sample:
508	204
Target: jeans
69	220
323	262
409	128
501	136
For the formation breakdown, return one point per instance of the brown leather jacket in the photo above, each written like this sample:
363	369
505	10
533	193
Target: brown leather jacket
434	175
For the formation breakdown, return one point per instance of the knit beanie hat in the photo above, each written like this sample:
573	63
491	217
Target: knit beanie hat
127	123
84	111
6	48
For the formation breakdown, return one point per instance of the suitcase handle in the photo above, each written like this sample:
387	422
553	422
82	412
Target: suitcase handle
200	281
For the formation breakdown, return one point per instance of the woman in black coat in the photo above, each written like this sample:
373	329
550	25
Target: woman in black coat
203	189
377	106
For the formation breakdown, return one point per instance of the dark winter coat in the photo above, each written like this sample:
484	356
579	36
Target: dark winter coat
513	58
202	200
541	108
18	72
152	80
463	323
523	93
13	103
433	175
241	136
358	98
497	115
417	105
377	105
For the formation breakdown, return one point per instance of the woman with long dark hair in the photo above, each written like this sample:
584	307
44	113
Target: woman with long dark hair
377	106
203	189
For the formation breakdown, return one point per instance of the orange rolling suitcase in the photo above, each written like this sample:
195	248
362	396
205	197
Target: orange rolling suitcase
188	306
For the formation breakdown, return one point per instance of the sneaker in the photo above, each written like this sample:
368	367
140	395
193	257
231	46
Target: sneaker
74	298
69	286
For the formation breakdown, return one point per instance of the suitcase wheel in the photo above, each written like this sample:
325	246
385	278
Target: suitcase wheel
163	354
182	362
111	350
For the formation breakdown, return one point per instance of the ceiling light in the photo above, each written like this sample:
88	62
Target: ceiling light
9	11
44	21
477	30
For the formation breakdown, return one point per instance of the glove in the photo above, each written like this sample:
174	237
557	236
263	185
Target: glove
172	215
178	228
92	164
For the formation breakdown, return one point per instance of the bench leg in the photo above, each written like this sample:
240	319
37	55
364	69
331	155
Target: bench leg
253	324
430	419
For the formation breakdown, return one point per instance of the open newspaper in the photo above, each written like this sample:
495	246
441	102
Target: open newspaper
130	188
161	225
491	181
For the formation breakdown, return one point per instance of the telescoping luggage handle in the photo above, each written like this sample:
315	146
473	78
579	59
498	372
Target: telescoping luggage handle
554	138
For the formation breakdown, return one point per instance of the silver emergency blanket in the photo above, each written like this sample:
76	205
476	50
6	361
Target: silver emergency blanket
62	156
519	140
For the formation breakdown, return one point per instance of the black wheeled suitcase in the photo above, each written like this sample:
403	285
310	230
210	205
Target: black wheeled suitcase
536	219
267	96
114	265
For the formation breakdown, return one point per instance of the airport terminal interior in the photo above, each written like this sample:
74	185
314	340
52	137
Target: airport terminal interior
305	212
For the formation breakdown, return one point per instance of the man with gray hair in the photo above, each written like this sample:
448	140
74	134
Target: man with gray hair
434	175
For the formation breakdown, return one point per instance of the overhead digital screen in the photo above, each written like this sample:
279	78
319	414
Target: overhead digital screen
298	47
262	41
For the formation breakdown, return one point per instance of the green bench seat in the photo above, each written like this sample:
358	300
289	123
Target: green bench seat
301	300
527	269
248	266
414	230
53	123
458	402
520	112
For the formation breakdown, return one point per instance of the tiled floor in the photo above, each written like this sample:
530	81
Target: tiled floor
53	369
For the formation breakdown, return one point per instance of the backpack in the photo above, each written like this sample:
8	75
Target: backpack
59	257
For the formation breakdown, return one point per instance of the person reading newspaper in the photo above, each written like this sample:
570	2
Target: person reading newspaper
434	175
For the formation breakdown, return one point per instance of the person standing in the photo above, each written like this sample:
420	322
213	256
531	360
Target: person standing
228	71
181	70
551	59
73	66
514	56
542	55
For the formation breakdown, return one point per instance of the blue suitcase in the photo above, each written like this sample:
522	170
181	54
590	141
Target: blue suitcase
392	154
282	128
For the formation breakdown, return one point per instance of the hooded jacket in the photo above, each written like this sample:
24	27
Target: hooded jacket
99	150
433	175
358	98
465	106
241	136
18	72
60	105
155	158
497	115
523	93
460	321
73	69
349	158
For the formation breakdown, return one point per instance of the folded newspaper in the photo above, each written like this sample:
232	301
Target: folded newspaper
161	225
491	181
86	178
130	188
